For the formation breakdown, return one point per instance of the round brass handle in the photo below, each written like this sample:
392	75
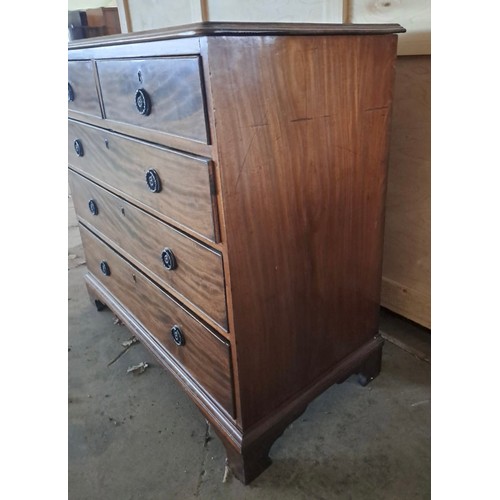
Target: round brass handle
153	181
93	207
142	102
105	269
177	335
168	259
77	144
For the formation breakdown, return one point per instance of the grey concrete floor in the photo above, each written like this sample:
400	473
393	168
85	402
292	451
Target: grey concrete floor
140	437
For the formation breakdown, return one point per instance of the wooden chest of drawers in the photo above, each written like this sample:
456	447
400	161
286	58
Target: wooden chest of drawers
229	181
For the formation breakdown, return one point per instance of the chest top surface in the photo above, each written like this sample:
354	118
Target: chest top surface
239	29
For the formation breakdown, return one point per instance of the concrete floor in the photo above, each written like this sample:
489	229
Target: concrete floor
140	437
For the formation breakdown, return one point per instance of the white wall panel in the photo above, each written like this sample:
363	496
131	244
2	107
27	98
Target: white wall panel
300	11
152	14
90	4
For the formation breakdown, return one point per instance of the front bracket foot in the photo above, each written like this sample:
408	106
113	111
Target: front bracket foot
248	465
370	367
99	305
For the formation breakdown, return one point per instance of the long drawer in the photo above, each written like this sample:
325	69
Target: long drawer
175	187
163	94
200	352
82	89
178	263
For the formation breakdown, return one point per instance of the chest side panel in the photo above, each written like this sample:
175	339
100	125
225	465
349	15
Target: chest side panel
302	141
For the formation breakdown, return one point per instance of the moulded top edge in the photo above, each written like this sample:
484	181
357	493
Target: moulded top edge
238	29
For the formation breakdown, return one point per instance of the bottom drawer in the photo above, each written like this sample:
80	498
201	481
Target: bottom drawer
200	352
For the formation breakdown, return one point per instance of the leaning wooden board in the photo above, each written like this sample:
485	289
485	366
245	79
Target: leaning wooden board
406	276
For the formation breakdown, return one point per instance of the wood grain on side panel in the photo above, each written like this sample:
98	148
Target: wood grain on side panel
302	141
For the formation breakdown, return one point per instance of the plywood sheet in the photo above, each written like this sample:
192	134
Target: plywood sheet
406	284
414	15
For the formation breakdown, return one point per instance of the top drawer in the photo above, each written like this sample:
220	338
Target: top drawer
82	90
162	94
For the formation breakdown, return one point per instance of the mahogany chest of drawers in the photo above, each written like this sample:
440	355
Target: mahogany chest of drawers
229	181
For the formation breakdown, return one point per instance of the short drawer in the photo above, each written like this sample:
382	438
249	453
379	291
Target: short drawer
82	89
174	186
188	269
163	94
199	351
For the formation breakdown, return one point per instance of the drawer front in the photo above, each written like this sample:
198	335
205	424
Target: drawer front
176	262
163	94
204	355
82	90
181	193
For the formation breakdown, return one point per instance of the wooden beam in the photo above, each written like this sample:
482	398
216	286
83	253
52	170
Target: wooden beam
346	12
205	16
124	14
